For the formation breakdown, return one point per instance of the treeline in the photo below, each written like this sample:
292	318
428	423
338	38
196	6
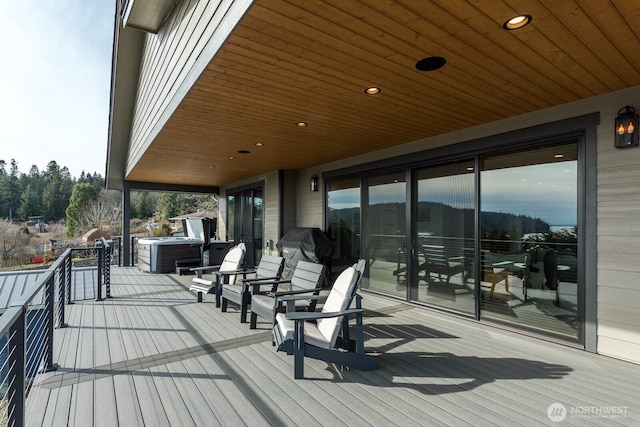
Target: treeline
39	193
504	226
83	203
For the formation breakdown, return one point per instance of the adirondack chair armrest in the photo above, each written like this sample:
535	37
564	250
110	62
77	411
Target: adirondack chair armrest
205	270
289	298
292	295
301	316
258	280
249	270
231	272
276	282
255	285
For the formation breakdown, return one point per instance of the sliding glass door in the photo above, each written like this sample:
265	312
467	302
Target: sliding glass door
245	222
443	241
385	228
343	203
529	245
499	243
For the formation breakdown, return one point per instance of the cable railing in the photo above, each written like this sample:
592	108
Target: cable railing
26	332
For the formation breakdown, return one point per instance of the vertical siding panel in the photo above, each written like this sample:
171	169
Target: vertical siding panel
162	58
158	53
169	58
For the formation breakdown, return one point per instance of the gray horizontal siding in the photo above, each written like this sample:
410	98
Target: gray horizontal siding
172	61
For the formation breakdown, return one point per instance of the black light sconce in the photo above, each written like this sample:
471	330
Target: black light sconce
313	183
627	128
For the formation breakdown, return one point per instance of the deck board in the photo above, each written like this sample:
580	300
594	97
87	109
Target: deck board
153	356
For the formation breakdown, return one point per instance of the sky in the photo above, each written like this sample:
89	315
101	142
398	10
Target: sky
55	74
546	191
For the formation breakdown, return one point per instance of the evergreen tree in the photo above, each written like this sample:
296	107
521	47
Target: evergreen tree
53	197
143	206
4	191
30	203
9	190
14	190
35	181
83	194
168	206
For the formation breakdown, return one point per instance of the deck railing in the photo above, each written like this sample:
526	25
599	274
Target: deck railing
26	331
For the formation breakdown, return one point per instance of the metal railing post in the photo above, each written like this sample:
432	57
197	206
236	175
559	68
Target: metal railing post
49	290
67	278
62	300
107	268
133	250
119	251
100	261
17	371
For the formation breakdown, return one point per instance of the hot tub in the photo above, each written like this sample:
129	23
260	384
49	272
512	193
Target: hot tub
159	254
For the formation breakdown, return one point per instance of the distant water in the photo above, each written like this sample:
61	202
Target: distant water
557	228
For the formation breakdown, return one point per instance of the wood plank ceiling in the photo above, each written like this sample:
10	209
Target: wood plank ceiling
310	61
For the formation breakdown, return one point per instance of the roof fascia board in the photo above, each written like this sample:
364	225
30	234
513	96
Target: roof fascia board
128	46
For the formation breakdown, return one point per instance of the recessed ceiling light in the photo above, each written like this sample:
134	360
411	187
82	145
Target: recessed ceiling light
231	157
302	124
259	144
431	63
517	22
470	168
372	90
559	156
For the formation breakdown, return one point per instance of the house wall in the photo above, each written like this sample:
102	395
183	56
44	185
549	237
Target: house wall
272	205
172	61
618	210
289	201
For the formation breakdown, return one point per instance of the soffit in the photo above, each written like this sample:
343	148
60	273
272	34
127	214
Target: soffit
292	61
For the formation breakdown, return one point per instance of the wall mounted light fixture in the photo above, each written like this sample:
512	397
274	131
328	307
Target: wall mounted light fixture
313	183
626	128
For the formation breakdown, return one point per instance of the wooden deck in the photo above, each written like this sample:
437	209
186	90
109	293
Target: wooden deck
153	356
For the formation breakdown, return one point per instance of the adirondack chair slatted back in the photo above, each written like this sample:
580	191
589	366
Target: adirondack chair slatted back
435	255
270	267
338	300
360	267
307	275
438	262
233	261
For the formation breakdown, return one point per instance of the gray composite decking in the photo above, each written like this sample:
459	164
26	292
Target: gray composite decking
153	356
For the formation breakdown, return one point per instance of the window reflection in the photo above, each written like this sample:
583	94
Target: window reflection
445	236
386	237
529	238
343	203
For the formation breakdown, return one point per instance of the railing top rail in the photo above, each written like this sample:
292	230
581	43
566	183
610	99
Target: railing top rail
8	318
33	290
